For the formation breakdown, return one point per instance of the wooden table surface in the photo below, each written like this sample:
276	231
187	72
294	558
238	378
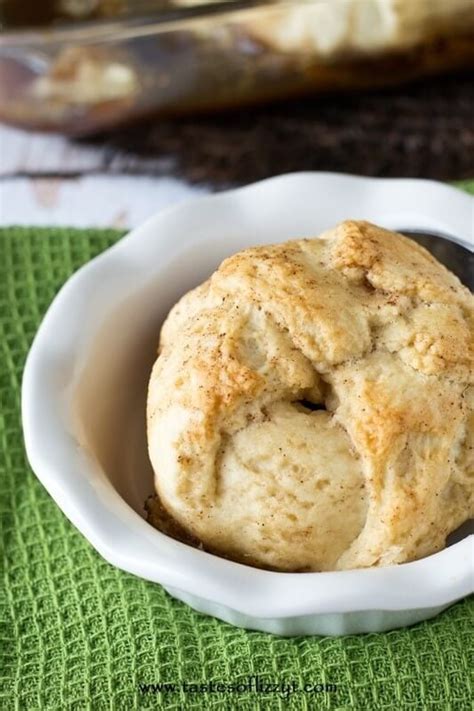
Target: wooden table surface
47	180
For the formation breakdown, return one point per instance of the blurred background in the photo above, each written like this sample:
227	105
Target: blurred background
111	109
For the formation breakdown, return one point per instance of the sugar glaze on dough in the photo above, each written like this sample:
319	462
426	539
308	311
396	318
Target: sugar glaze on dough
360	321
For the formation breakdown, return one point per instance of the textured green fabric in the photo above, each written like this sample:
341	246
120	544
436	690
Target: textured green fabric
79	634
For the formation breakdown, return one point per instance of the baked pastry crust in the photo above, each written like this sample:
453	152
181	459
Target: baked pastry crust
345	27
312	405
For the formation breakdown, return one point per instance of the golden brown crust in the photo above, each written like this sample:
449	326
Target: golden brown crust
361	319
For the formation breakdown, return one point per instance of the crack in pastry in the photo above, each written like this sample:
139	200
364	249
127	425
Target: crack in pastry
311	406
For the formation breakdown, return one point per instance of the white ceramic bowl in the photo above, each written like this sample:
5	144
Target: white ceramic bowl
84	392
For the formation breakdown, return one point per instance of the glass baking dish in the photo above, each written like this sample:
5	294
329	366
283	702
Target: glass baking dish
84	76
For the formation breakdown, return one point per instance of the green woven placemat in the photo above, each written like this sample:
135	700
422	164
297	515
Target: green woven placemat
79	634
